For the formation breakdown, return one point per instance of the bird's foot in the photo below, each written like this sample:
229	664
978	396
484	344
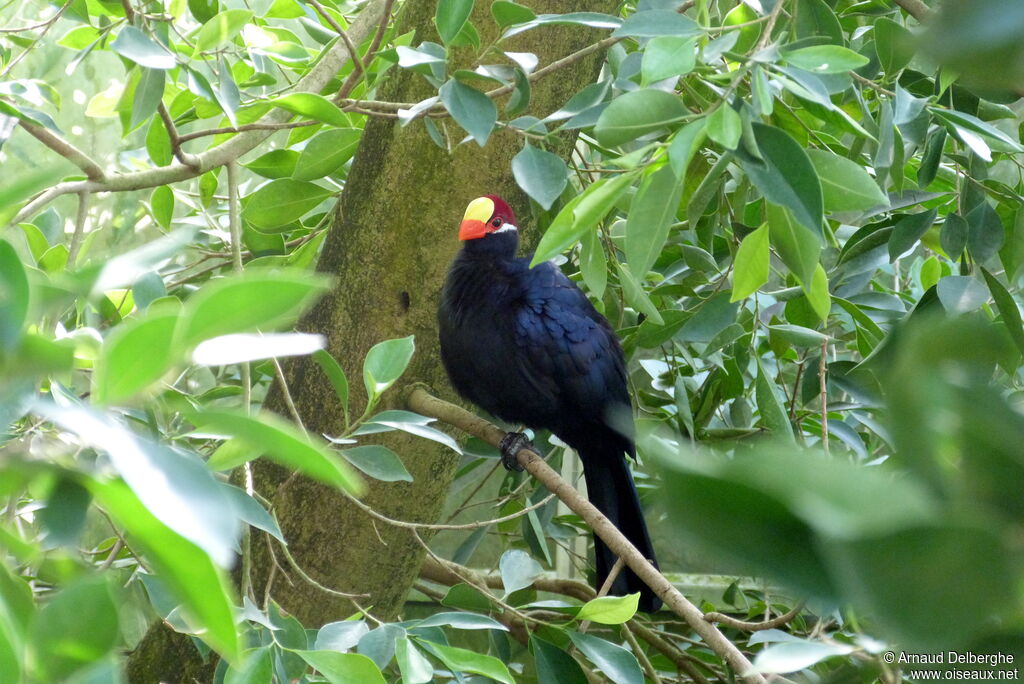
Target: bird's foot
510	445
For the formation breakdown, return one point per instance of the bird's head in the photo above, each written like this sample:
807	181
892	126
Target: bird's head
487	215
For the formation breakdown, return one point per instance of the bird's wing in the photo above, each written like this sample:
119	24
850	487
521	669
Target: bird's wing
566	347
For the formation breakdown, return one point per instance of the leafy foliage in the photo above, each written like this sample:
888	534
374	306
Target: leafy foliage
803	217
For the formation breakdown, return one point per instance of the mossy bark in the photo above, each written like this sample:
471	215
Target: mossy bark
389	249
393	237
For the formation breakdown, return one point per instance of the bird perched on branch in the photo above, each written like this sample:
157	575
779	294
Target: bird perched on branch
528	347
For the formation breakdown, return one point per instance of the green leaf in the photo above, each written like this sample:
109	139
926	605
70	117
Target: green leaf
378	462
283	443
610	610
656	22
282	201
133	44
471	109
616	662
651	215
335	374
790	656
845	185
413	665
724	127
637	113
894	45
985	234
667	56
953	236
931	157
908	230
685	144
554	665
410	422
246	301
462	621
148	92
518	570
508	13
961	120
636	297
180	564
934	569
256	668
385	363
313	106
540	174
162	202
136	354
75	628
220	29
451	16
175	487
344	668
773	412
274	164
818	294
244	347
250	511
593	263
13	297
750	268
1007	308
825	59
326	152
463	660
799	335
785	176
797	246
592	19
961	294
232	453
749	33
582	213
14	191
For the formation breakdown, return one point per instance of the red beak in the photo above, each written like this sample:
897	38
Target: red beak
472	229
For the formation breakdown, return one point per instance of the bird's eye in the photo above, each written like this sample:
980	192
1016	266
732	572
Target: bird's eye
496	223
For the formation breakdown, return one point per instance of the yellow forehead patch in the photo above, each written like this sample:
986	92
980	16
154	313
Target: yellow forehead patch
480	209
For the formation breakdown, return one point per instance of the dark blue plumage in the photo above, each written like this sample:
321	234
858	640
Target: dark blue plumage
528	347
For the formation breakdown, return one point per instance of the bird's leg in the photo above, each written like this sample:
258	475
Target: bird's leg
510	445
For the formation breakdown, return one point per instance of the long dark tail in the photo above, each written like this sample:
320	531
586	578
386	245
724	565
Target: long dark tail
611	489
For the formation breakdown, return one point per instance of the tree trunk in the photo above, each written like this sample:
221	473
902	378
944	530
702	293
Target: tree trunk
390	248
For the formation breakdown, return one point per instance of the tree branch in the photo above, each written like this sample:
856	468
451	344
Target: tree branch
92	170
230	150
915	8
424	403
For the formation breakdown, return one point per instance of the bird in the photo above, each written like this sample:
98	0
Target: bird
527	346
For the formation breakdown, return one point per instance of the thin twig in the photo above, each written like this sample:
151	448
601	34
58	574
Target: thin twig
309	580
41	24
779	621
823	389
353	50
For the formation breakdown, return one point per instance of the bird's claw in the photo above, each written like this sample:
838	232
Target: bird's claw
510	445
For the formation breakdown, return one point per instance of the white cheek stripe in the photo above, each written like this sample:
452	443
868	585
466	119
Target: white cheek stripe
505	227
